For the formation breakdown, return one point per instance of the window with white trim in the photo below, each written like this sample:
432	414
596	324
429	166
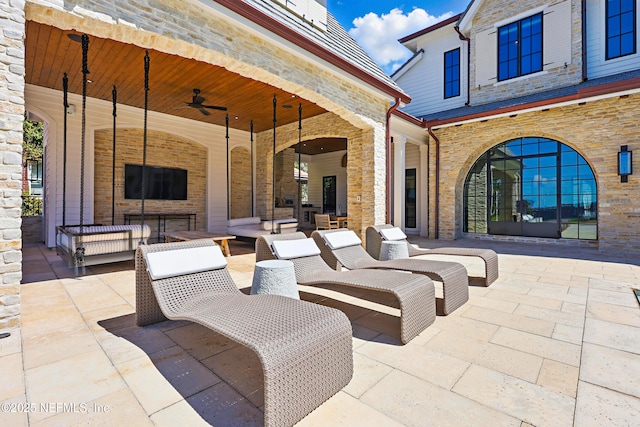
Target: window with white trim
452	73
520	48
621	28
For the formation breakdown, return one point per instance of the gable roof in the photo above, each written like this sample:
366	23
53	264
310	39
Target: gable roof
467	15
430	29
334	45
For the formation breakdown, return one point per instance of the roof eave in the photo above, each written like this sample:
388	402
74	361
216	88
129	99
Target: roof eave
601	91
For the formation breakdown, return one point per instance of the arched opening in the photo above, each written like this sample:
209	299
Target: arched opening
531	187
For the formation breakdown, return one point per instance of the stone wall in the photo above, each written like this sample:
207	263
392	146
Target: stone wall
491	12
12	68
366	193
163	150
240	183
595	129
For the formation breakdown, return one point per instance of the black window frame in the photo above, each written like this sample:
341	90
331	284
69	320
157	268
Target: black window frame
534	69
455	82
608	36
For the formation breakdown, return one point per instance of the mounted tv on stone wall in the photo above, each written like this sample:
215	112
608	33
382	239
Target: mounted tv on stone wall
160	184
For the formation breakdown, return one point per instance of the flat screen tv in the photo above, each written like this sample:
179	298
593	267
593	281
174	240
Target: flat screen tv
160	184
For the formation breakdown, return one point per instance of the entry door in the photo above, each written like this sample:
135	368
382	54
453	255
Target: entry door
524	197
329	195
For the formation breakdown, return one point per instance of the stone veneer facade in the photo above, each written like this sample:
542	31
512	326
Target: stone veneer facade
190	30
240	183
12	68
597	131
495	11
163	150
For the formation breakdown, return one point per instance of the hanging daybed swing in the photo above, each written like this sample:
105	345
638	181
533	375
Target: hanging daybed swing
83	245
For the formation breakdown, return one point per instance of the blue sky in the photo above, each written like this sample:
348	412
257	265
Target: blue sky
378	24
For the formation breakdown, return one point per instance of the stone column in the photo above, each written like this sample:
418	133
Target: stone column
12	69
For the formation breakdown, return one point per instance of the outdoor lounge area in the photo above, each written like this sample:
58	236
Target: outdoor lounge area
553	341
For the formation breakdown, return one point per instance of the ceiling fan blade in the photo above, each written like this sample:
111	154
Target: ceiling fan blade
203	111
215	107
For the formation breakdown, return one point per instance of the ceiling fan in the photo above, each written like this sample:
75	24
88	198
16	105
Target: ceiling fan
197	102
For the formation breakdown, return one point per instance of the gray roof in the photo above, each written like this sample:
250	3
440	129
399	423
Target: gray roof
535	97
335	39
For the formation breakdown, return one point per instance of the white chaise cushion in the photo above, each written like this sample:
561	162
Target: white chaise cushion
184	261
341	239
394	233
297	248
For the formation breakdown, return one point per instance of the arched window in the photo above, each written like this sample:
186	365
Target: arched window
531	187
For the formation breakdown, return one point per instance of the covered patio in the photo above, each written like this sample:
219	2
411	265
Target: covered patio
553	342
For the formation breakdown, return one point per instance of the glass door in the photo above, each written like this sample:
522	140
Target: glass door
329	195
524	196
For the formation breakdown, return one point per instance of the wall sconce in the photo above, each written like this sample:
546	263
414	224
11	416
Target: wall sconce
625	165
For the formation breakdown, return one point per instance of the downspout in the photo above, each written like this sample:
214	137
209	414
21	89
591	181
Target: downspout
393	108
436	216
584	41
468	40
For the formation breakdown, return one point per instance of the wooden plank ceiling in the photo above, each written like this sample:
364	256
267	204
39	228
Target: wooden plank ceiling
50	53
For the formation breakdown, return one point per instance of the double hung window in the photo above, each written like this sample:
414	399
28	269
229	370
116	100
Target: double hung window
520	48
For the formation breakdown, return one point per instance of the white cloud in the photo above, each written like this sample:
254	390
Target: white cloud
379	35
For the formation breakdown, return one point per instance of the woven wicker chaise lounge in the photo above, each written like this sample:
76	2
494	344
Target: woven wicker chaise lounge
343	247
415	294
305	348
376	234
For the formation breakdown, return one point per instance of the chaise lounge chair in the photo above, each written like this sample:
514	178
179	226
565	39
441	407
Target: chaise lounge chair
343	247
378	233
305	348
415	294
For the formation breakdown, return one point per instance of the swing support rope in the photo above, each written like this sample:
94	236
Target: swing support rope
144	140
114	95
299	162
273	170
65	102
79	254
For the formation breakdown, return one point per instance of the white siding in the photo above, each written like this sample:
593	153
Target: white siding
597	66
424	82
329	164
48	104
556	33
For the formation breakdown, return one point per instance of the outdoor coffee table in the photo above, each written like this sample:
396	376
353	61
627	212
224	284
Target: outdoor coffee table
223	241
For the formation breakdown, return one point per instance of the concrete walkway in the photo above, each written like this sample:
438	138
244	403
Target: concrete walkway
554	342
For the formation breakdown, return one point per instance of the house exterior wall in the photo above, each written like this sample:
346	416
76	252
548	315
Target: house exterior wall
425	79
365	167
163	150
562	44
329	164
12	68
600	128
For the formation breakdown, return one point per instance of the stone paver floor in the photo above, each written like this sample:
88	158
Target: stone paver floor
554	342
